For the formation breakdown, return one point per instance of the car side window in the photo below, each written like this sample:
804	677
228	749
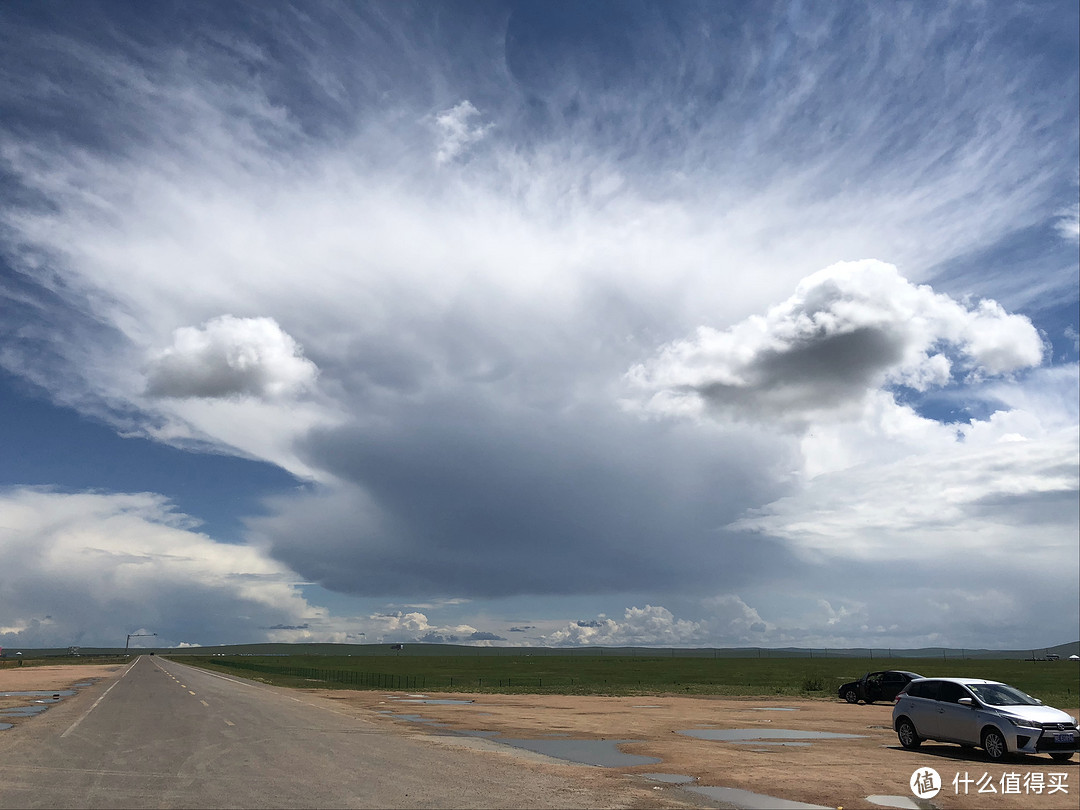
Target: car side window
924	689
949	692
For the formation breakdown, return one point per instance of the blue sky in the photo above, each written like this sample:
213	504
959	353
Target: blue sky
691	324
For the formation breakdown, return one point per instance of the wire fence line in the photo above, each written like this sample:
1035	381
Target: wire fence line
372	680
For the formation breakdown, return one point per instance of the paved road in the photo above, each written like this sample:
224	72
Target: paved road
164	734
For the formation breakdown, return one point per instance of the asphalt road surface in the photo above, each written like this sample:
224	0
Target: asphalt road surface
163	734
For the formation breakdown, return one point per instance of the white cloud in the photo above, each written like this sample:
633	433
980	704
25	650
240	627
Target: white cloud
650	625
847	331
231	357
952	501
1068	222
98	566
457	130
415	627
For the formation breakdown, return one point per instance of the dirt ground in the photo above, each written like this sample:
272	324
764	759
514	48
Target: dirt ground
39	679
829	772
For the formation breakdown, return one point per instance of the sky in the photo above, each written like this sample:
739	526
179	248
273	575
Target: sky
529	323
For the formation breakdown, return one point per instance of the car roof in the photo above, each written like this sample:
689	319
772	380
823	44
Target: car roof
963	681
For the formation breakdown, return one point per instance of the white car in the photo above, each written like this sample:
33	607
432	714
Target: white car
998	718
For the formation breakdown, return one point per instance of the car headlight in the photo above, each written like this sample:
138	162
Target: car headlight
1020	722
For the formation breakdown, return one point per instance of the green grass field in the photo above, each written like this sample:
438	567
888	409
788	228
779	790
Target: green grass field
1054	682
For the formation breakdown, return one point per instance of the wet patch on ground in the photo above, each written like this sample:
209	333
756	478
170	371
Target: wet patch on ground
756	735
748	800
670	778
602	753
558	745
899	802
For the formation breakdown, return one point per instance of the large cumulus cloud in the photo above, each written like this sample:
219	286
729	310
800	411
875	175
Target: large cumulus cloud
847	331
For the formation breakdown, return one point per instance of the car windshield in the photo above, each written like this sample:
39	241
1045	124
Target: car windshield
998	694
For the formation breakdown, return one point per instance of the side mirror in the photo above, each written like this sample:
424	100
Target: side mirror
966	701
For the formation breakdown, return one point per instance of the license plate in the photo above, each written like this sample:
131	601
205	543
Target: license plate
1063	738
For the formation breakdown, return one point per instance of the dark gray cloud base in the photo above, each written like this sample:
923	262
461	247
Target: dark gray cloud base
463	500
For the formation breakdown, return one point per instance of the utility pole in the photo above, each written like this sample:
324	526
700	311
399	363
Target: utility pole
130	636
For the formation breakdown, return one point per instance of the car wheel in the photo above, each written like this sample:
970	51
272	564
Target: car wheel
851	696
909	738
1062	756
993	743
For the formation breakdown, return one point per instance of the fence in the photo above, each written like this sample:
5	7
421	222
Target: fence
372	680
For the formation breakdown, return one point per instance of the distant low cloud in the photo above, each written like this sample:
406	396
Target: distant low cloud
724	619
99	565
415	627
847	331
230	357
650	625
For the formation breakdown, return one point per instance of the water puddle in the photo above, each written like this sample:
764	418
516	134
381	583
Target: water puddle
648	707
22	711
42	699
901	802
416	718
753	801
602	753
756	734
670	778
53	693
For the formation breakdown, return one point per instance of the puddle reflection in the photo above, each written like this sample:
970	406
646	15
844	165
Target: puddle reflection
603	753
752	801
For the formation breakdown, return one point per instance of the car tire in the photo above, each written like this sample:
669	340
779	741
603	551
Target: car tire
908	736
851	696
993	743
1062	756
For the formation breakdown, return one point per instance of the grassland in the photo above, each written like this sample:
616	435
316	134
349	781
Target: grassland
1054	682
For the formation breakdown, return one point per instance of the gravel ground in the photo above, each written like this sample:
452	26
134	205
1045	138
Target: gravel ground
837	772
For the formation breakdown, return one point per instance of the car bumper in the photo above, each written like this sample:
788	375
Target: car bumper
1043	741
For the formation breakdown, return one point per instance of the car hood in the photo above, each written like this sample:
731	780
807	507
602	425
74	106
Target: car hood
1037	714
